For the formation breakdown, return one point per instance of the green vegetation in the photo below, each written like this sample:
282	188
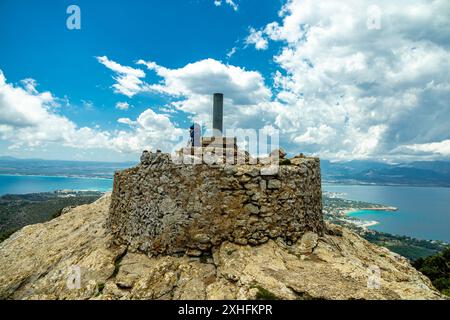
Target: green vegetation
437	268
230	252
264	294
408	247
18	211
285	162
117	262
5	235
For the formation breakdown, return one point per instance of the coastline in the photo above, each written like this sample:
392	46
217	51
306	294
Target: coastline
54	176
349	211
365	223
383	184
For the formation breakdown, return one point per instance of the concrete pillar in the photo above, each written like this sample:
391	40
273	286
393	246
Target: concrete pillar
218	114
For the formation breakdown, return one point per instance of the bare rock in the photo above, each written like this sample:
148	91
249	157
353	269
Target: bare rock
38	261
274	184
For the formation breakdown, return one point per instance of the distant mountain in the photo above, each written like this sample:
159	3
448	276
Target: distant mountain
10	165
7	158
420	173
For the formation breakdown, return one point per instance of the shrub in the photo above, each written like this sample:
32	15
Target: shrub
437	268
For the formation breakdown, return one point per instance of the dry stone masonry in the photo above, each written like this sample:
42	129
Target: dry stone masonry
161	207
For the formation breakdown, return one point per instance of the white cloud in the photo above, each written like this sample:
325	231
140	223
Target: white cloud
128	79
231	3
29	118
150	131
231	52
126	121
440	148
314	135
257	38
207	76
247	98
353	92
122	105
29	85
341	91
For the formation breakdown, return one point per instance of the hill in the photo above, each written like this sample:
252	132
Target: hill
423	173
17	211
10	165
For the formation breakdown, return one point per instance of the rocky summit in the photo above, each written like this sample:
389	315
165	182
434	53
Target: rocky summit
38	262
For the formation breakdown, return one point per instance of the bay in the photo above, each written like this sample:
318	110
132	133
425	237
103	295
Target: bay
423	212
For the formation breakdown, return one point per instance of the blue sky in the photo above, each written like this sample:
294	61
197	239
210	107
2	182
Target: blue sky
173	33
315	71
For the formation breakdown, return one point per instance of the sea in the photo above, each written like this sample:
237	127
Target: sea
424	212
16	184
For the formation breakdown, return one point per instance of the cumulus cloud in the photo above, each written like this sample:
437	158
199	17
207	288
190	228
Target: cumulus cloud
257	38
122	105
353	91
128	79
29	118
342	90
440	148
207	76
149	131
247	98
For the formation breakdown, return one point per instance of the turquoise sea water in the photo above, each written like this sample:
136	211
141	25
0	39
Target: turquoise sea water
12	184
424	212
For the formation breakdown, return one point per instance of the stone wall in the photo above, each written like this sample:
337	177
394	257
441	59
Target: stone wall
160	207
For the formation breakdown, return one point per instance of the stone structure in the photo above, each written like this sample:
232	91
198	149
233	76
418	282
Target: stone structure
162	207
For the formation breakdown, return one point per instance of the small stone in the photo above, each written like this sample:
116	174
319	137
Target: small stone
253	173
284	196
270	171
256	196
251	186
145	158
308	242
251	208
263	185
201	238
241	241
274	184
264	240
230	169
264	209
193	253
